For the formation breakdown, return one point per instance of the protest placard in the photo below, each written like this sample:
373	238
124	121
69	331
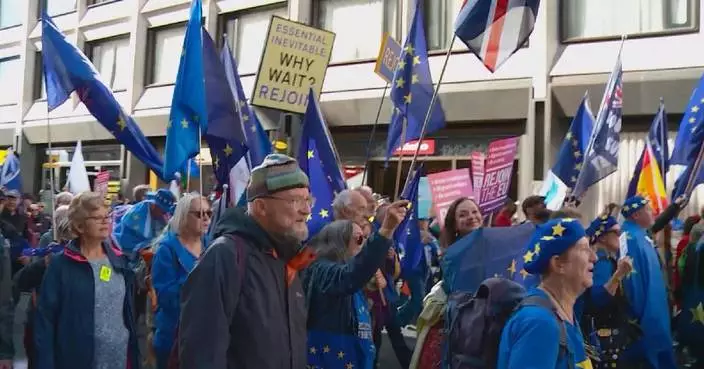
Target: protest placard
389	53
446	187
477	170
294	60
101	182
497	175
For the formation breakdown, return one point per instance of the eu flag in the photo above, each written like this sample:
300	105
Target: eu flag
224	135
189	115
256	137
318	159
693	117
10	177
66	69
657	136
601	158
412	89
486	253
407	234
571	155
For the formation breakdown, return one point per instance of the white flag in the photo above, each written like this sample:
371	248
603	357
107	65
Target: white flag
239	177
78	176
554	191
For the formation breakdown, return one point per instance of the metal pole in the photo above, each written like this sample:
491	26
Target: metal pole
51	178
371	135
430	110
397	195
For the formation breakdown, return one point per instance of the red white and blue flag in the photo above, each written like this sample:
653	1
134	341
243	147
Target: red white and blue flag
495	29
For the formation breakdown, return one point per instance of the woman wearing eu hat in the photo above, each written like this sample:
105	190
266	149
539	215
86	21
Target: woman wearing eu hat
604	304
546	335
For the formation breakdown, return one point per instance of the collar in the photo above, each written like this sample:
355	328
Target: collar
185	258
113	253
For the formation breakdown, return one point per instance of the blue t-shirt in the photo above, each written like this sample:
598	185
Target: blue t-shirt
531	340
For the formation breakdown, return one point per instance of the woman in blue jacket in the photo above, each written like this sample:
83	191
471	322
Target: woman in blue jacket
177	251
339	324
84	316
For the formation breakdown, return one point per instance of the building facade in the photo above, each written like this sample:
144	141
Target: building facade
135	45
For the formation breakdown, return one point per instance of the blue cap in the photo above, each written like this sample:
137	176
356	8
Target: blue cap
550	239
599	226
632	205
162	198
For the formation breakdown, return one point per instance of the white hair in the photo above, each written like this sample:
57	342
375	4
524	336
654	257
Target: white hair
63	229
63	198
180	218
342	201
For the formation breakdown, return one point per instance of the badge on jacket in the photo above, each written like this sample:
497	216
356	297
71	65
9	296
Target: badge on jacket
105	273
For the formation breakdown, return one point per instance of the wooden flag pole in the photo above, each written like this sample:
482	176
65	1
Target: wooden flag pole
404	126
371	136
430	109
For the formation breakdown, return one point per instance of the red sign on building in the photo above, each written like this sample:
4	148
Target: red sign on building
427	147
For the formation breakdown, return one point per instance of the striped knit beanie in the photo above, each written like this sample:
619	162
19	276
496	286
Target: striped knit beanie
276	173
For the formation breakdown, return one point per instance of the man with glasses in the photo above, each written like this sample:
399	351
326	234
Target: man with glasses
243	305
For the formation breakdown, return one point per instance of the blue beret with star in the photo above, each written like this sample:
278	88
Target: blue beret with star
632	205
550	239
599	226
162	198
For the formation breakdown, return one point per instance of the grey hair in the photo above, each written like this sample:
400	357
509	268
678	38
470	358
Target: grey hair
331	242
63	198
140	192
63	226
341	202
183	206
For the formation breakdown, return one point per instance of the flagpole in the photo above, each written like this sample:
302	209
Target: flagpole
51	176
371	135
595	130
430	109
200	165
404	127
188	175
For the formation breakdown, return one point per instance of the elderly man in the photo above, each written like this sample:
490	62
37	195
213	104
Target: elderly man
351	205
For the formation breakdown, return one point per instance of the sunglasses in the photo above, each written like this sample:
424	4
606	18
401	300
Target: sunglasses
207	213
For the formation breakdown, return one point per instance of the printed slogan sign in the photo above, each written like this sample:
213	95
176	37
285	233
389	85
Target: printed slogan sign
448	186
389	53
497	174
295	59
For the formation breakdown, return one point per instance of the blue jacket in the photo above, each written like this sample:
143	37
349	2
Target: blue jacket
170	267
137	228
65	322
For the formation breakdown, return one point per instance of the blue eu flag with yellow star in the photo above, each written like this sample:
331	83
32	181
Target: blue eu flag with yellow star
66	69
486	253
188	117
412	89
571	154
657	136
689	140
318	159
407	234
256	138
224	135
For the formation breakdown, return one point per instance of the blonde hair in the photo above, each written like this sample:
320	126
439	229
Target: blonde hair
63	226
81	206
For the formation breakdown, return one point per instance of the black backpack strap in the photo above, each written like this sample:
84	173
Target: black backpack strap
564	350
241	255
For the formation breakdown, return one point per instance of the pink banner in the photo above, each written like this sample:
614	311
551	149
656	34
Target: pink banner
101	182
478	158
497	175
446	187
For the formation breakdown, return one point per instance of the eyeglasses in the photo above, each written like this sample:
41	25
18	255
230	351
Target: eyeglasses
207	213
297	202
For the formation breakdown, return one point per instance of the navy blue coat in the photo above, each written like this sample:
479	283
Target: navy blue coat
65	322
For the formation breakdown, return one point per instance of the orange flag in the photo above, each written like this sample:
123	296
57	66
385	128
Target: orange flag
650	182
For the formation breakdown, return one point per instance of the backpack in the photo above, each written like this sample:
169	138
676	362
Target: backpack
476	322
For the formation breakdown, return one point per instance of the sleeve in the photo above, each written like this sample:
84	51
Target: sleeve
533	330
47	313
165	278
7	307
663	219
603	271
30	277
208	301
347	278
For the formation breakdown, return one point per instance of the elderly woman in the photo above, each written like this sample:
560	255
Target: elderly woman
546	335
177	251
339	324
604	305
84	315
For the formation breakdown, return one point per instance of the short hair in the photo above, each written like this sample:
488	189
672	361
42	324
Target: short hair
531	201
342	200
62	224
566	212
183	207
63	198
331	242
140	192
81	206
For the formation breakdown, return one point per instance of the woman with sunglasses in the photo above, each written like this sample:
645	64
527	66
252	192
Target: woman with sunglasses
605	316
177	251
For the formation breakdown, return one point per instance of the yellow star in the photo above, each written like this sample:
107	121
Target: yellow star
313	350
573	179
401	64
578	166
349	366
537	248
326	349
414	79
575	143
577	154
416	60
309	218
698	314
227	150
547	238
524	274
324	213
512	268
135	217
528	257
558	230
409	49
184	123
695	109
408	98
597	233
254	129
586	364
340	355
216	161
400	82
568	136
121	123
245	118
702	100
243	103
692	120
310	154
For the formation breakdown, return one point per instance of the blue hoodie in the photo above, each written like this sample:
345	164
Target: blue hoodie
170	267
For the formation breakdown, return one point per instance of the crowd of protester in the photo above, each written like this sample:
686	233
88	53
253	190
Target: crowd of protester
152	283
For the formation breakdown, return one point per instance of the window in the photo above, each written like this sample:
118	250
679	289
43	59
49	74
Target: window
358	25
96	2
246	33
39	87
10	73
57	7
10	13
583	19
440	23
166	45
111	58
